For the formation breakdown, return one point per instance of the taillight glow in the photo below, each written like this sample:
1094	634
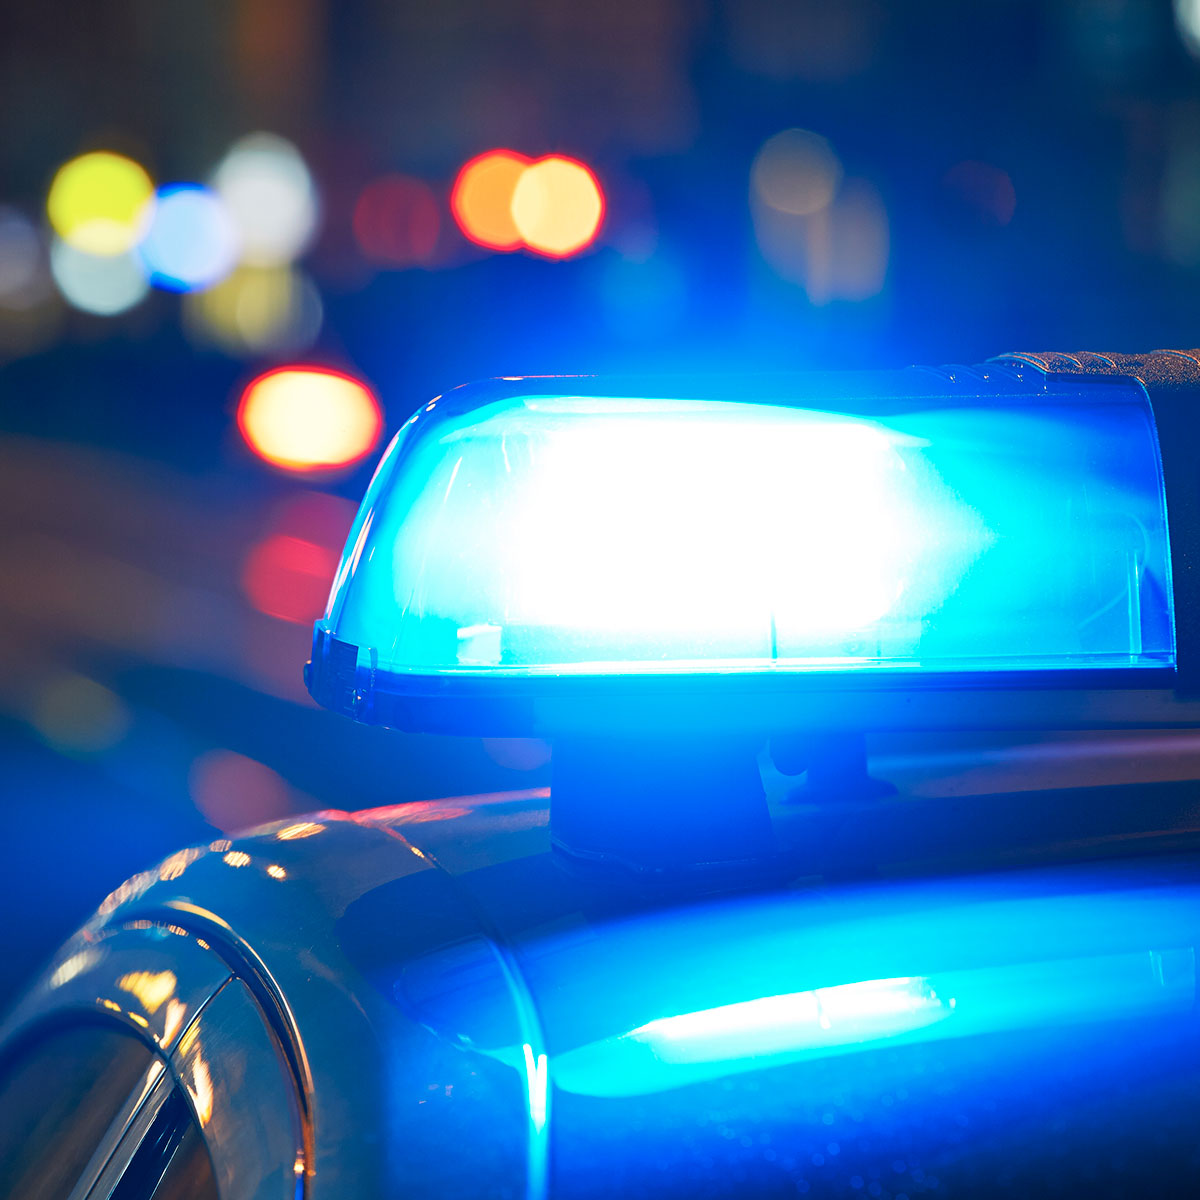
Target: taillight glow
306	419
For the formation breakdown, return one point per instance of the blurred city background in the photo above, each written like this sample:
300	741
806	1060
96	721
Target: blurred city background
241	241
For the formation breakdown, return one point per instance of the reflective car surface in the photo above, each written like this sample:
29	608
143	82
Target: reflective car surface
987	993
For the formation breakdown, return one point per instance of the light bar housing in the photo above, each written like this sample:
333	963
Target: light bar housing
550	555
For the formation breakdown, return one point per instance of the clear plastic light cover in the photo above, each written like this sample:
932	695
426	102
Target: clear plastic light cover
873	523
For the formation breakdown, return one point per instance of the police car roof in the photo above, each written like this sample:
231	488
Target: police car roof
469	1013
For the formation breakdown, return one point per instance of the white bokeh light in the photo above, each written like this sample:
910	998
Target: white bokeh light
22	260
100	284
1187	20
269	193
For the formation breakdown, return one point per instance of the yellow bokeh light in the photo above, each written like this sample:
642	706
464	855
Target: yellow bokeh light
557	206
309	419
78	715
101	203
257	309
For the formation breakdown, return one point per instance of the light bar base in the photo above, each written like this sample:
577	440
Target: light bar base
834	765
660	805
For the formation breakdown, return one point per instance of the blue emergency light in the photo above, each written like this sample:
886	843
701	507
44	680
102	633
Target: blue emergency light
546	553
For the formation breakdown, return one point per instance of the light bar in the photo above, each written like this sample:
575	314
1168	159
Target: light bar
907	526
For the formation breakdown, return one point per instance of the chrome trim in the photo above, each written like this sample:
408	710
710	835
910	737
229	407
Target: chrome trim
253	972
152	977
240	1090
132	1135
172	988
145	1096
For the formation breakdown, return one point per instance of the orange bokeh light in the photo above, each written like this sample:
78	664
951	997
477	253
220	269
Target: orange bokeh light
482	199
557	206
306	419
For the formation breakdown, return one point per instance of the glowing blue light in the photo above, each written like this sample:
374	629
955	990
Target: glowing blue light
537	1081
595	534
842	1015
994	965
191	243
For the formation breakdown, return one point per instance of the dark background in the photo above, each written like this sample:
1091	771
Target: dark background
1012	176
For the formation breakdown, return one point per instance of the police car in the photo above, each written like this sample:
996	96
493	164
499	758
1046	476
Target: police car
729	953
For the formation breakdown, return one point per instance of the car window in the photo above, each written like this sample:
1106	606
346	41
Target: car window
65	1101
170	1162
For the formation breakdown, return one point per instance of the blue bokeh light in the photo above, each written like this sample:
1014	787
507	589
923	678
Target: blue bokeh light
192	242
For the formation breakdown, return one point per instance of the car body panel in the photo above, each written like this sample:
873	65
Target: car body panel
460	1009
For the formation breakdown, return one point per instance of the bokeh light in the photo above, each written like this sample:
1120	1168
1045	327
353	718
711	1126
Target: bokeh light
78	715
557	206
269	194
1187	21
307	418
22	263
860	242
839	252
256	310
276	576
100	202
30	307
235	792
482	199
288	577
313	516
396	221
100	284
191	242
795	172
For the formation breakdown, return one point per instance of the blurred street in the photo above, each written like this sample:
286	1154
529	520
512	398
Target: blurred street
240	244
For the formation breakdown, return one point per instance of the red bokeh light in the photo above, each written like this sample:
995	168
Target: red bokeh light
314	516
397	222
288	577
235	792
